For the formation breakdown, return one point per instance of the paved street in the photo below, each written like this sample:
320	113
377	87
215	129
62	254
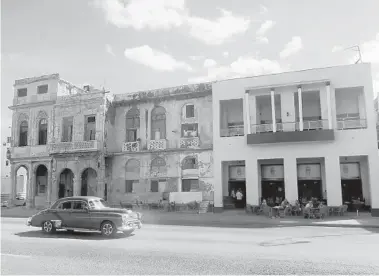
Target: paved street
191	250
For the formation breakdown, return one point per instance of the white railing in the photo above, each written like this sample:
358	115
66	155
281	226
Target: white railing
131	146
74	146
189	142
160	144
289	126
312	125
351	124
231	131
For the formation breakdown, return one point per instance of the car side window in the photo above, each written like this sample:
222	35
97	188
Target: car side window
91	204
65	205
79	205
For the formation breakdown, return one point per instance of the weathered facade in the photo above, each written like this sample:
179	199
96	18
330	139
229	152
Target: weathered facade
126	148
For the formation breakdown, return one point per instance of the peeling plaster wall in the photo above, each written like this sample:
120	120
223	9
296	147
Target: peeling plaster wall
116	135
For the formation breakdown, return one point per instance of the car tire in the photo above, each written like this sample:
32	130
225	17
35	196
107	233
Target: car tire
108	229
48	227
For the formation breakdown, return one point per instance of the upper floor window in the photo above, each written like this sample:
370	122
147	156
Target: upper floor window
90	128
23	139
132	124
22	92
68	123
42	132
190	111
158	123
42	89
189	130
231	118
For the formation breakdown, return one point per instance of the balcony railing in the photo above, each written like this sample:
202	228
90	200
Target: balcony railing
236	130
289	126
63	147
351	124
160	144
189	142
131	146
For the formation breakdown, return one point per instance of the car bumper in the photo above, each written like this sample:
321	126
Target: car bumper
130	226
29	222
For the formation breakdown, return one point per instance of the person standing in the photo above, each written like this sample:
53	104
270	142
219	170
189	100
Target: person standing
239	197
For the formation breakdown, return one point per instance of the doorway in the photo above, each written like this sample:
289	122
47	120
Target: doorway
351	189
89	182
66	184
273	191
308	189
238	185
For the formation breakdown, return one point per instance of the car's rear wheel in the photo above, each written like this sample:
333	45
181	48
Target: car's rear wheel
48	227
108	229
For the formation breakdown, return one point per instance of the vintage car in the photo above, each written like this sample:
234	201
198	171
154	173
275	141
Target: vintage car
80	213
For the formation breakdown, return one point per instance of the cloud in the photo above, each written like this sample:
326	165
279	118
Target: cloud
155	59
263	9
292	47
337	48
195	58
141	14
209	63
225	54
262	39
109	50
242	67
167	14
218	31
265	27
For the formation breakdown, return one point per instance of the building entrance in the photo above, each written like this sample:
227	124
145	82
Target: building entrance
309	182
351	183
273	190
238	185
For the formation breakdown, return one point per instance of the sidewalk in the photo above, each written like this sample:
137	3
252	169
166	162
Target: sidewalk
229	219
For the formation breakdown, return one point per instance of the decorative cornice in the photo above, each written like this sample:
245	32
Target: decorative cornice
29	105
178	150
36	79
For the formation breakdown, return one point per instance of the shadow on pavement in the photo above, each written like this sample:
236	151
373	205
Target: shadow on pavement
68	235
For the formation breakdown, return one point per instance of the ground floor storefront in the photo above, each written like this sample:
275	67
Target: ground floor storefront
342	180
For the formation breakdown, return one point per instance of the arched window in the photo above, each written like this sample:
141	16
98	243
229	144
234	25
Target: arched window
42	132
158	123
158	162
132	124
23	139
132	175
189	163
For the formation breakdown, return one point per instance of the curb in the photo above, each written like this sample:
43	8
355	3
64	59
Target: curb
237	224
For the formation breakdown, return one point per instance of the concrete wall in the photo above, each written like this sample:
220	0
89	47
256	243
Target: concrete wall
347	142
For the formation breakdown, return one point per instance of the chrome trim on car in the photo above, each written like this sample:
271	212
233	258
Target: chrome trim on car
29	221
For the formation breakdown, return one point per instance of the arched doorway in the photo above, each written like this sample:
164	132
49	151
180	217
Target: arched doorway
66	183
89	182
40	188
21	186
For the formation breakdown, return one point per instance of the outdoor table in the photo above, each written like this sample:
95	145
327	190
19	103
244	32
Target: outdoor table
276	208
313	212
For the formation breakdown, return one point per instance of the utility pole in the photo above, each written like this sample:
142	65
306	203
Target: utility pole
356	48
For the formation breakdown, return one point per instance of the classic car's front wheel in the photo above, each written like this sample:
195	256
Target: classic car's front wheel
108	229
48	227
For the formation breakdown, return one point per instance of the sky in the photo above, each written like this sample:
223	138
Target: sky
133	45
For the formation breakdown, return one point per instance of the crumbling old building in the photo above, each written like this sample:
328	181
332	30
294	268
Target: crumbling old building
126	148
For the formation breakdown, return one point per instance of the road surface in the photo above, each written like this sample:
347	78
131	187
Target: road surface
191	250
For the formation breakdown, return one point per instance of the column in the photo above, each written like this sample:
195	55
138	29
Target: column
217	176
273	110
333	181
49	182
300	101
247	112
373	165
77	180
54	182
252	181
253	113
329	106
13	185
290	179
30	187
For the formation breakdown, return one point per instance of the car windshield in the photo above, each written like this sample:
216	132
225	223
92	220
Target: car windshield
98	203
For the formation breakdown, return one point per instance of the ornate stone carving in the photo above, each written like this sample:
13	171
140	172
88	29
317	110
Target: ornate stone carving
131	146
157	144
189	143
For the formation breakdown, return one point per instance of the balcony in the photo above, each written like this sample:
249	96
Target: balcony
76	146
29	151
351	124
131	146
290	132
155	145
189	142
232	130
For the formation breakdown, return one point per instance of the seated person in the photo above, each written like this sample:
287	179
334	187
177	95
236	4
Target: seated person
307	209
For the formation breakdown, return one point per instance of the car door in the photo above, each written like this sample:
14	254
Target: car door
63	212
80	215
